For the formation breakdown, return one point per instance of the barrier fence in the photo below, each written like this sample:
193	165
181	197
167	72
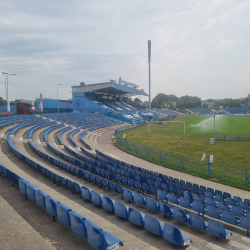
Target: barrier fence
184	163
232	137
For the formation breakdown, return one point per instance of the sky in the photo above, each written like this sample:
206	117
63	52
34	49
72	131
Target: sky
199	48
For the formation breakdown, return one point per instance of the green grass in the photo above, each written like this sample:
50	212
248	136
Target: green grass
170	138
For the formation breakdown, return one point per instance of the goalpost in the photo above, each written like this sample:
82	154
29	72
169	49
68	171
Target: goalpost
165	122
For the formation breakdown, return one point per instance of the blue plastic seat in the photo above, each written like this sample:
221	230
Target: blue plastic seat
231	202
218	230
223	207
184	187
112	186
219	198
188	196
244	205
98	180
237	199
78	225
135	217
238	211
165	209
150	182
63	181
105	183
164	186
144	188
69	184
138	198
200	191
200	199
50	204
179	191
153	190
153	225
151	203
245	223
197	221
40	198
173	235
225	194
96	198
203	187
184	202
230	218
173	199
211	190
63	214
213	212
121	210
218	192
99	239
157	184
127	194
208	195
124	180
108	204
76	187
172	189
211	202
138	185
86	194
119	189
193	190
131	182
92	177
31	192
161	195
180	215
22	186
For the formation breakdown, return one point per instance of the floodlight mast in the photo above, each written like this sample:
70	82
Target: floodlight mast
149	77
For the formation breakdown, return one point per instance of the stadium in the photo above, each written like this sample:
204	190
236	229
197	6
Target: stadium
72	180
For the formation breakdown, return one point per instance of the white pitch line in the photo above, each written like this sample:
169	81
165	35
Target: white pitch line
39	141
214	247
238	245
245	239
55	145
21	138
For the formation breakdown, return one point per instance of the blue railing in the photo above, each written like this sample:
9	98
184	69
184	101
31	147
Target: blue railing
188	164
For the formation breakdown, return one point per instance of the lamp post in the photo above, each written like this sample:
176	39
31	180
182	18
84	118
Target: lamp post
7	91
57	98
214	129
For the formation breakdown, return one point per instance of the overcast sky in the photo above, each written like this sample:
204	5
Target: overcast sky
199	48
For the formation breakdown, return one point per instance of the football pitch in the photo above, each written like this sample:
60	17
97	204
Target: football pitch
195	142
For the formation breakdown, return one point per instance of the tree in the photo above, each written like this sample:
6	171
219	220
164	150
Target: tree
17	101
2	101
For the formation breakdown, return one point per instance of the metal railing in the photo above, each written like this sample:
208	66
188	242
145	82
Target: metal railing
232	137
187	164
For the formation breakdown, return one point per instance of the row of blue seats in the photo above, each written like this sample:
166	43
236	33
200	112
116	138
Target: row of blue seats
60	132
15	128
47	130
75	186
97	238
71	134
5	123
186	186
32	129
145	185
85	143
197	206
226	216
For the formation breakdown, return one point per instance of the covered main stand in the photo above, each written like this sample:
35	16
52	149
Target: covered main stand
108	98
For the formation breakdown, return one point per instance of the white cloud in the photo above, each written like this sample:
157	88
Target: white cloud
199	48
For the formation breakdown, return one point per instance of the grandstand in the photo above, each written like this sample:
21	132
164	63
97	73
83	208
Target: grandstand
75	176
202	111
237	110
108	98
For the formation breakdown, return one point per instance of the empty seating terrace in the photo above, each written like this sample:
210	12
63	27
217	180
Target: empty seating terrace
118	198
202	111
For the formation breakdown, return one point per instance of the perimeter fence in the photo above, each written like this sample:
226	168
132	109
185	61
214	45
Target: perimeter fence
186	164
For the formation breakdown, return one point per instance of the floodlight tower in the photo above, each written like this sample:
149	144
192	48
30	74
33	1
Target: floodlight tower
149	60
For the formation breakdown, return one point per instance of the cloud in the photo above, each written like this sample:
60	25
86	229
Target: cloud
198	47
